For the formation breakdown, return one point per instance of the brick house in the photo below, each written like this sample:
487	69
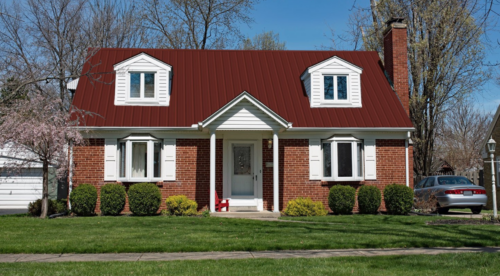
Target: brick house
494	132
257	127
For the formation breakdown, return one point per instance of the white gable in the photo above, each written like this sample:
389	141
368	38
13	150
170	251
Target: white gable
245	113
313	79
72	85
143	63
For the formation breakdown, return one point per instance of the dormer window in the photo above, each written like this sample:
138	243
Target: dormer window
333	82
335	87
142	85
143	80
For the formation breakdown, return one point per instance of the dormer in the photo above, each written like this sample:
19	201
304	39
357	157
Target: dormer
333	83
142	81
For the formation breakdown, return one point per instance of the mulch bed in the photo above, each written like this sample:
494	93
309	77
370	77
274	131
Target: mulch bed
462	222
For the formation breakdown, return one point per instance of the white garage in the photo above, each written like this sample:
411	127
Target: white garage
17	191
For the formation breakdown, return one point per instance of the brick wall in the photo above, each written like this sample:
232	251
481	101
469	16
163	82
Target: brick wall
193	170
88	161
294	171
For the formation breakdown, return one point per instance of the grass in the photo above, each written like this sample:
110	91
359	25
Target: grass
445	264
465	210
189	234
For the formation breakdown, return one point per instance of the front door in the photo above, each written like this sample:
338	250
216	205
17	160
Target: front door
243	171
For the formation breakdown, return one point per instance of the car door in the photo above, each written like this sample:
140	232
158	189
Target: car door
418	188
428	189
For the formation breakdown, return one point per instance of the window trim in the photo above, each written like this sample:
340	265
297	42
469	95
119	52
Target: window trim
141	99
335	99
150	140
334	141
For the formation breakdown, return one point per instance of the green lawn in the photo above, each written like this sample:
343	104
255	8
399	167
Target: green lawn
446	264
469	211
176	234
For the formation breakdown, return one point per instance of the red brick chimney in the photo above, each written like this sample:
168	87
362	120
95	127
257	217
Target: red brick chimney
396	59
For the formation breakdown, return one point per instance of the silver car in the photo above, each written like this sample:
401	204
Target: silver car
450	192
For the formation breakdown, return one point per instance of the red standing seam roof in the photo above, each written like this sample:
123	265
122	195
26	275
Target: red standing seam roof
205	80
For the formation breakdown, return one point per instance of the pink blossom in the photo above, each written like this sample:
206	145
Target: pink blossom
36	130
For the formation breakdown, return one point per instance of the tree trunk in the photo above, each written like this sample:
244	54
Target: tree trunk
45	196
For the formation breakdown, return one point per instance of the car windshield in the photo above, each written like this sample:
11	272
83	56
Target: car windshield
453	180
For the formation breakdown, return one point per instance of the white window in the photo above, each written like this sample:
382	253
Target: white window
143	80
139	159
335	88
342	159
142	85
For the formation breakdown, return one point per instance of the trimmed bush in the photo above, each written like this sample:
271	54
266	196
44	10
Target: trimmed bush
398	199
144	199
113	197
369	199
304	207
341	199
83	200
180	205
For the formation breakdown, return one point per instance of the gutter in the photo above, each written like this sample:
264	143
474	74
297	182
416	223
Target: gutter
391	129
191	128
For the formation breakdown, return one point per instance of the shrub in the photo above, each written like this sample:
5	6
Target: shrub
35	208
61	205
369	199
305	207
83	200
113	197
180	205
144	199
398	199
55	207
341	199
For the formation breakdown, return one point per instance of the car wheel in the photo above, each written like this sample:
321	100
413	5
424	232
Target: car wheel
476	210
443	210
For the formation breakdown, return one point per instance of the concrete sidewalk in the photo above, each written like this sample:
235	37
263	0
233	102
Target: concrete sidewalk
133	257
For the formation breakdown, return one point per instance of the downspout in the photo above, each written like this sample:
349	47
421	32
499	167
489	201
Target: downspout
70	172
406	162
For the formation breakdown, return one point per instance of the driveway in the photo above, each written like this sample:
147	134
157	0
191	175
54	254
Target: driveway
12	211
462	214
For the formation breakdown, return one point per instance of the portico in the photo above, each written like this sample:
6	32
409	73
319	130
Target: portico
244	124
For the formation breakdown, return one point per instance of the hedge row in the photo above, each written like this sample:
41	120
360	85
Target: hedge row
144	200
398	199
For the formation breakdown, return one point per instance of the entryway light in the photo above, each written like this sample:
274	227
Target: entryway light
491	145
269	143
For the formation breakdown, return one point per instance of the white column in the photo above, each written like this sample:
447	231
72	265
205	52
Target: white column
276	171
212	170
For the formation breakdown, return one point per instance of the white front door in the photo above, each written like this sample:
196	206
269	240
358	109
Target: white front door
243	171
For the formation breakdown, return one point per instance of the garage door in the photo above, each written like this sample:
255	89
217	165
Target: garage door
17	191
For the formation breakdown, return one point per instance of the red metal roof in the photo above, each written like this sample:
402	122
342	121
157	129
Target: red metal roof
205	80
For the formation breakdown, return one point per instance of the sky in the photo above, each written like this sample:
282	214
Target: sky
306	25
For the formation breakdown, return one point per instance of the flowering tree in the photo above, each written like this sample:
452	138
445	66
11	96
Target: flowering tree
36	130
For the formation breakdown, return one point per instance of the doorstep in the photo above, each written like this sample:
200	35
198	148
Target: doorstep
246	214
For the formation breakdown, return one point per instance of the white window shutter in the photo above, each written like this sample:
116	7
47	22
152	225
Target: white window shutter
110	159
169	152
370	160
315	159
